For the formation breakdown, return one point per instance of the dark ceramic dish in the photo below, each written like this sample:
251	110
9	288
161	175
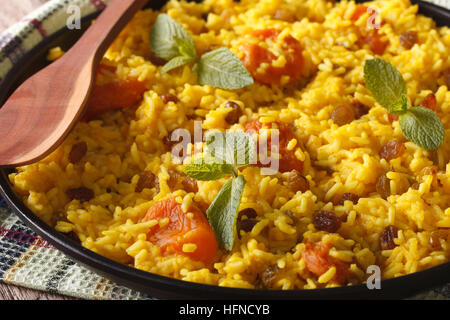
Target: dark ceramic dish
167	288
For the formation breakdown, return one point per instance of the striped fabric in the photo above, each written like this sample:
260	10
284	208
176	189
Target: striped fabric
25	258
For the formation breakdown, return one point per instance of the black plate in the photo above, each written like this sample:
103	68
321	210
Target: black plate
168	288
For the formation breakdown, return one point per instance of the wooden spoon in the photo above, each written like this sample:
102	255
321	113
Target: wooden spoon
42	111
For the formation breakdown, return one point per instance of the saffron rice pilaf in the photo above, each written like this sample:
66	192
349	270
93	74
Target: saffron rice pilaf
370	196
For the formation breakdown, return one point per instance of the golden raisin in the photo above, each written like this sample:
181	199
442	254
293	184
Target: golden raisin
430	102
166	98
391	150
384	186
146	180
173	178
436	236
269	275
408	39
78	151
343	115
327	221
190	185
387	238
297	182
285	15
233	116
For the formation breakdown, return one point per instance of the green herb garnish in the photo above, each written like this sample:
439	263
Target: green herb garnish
419	124
219	68
223	158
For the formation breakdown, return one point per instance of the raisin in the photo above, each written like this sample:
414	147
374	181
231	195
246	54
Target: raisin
343	115
157	61
349	197
359	109
249	213
173	178
387	238
78	151
146	180
447	78
247	224
190	185
408	39
81	194
436	236
235	113
291	215
327	221
392	150
269	275
285	15
166	98
430	102
297	182
384	186
434	157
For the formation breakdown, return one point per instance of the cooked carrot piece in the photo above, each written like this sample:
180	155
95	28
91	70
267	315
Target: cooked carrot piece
359	11
318	261
112	95
288	160
370	37
255	56
183	229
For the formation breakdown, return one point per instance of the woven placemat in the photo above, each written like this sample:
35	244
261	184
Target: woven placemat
25	258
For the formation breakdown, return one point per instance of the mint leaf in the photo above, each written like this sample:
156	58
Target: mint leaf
186	48
164	35
222	213
423	127
176	62
399	107
221	68
208	171
385	82
235	148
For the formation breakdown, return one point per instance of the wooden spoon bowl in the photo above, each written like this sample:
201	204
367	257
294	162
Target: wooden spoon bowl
42	111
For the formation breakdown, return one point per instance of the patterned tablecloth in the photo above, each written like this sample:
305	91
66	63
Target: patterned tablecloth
25	258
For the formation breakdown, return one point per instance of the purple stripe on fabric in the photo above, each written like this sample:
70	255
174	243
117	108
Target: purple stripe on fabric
10	249
38	25
12	47
99	4
24	237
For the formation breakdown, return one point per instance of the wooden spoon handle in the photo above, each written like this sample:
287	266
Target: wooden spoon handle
96	40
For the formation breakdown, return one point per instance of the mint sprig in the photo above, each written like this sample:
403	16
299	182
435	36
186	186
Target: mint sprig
235	148
223	211
219	68
222	159
419	124
164	35
423	126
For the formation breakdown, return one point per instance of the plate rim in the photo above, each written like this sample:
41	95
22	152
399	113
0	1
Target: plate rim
162	286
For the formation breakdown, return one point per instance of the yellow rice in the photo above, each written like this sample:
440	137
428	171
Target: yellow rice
124	143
